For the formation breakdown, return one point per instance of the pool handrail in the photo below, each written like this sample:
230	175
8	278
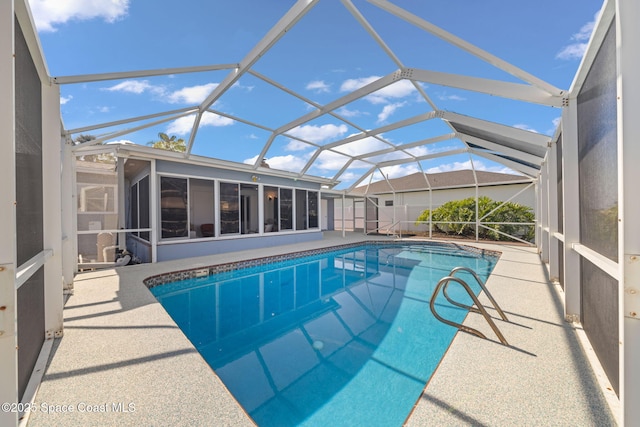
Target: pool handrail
484	289
442	283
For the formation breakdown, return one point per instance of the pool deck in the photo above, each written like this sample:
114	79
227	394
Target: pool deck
123	361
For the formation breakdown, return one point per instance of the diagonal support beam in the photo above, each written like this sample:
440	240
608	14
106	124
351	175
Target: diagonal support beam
517	91
466	46
511	152
529	171
275	33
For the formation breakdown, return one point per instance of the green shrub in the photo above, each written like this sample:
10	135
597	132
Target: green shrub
465	211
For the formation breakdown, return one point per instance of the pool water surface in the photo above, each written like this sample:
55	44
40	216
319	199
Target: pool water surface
340	338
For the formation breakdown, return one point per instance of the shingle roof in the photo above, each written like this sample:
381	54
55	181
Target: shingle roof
460	178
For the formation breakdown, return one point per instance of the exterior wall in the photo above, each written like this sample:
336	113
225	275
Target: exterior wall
408	206
195	245
172	251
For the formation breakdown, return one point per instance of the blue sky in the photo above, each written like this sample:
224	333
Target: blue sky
322	58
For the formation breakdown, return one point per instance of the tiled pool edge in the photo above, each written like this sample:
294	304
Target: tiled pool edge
198	272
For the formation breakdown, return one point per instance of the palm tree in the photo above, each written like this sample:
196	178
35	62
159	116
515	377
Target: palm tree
172	143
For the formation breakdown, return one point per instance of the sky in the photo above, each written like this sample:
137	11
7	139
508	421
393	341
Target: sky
323	57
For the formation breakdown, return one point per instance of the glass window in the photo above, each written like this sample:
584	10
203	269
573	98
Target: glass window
249	208
134	208
143	207
286	209
202	197
271	215
301	210
312	197
173	207
229	208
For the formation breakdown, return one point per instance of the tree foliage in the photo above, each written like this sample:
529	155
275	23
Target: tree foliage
95	158
459	216
170	143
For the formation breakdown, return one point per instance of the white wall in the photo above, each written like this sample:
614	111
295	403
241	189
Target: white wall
408	206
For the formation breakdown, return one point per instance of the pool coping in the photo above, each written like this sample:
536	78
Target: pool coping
119	344
209	270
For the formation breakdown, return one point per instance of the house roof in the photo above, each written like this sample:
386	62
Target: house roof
454	179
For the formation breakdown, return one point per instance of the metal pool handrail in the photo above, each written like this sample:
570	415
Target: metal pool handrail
484	289
445	281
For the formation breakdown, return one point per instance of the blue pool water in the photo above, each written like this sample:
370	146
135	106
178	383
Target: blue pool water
341	338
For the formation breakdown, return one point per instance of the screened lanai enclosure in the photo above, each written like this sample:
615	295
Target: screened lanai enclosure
78	194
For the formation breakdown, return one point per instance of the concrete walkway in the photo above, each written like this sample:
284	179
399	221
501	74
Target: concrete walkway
123	361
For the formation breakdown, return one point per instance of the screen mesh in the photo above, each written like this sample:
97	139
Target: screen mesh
29	216
600	317
29	209
598	174
598	153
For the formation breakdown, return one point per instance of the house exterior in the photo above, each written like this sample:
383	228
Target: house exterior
398	202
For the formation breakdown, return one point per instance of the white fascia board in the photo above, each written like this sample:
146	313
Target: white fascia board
529	171
285	23
511	152
517	91
534	138
466	46
87	78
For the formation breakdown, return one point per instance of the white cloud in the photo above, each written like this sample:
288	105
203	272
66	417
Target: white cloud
399	89
353	84
479	166
525	127
184	125
362	146
445	97
318	134
104	109
345	112
397	171
135	86
581	38
328	160
295	145
47	14
64	100
388	110
192	94
318	86
554	125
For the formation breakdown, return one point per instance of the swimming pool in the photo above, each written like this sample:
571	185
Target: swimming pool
342	337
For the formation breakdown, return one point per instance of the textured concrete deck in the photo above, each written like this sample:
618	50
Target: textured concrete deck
122	360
